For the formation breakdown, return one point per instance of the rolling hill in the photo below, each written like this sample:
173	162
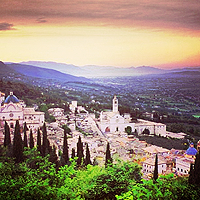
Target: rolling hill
38	72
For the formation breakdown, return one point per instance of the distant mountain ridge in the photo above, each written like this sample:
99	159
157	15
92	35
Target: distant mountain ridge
95	70
104	71
62	67
38	72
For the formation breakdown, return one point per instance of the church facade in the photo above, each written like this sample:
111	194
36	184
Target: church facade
114	122
13	109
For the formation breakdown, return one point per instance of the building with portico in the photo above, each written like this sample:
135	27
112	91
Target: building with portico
112	122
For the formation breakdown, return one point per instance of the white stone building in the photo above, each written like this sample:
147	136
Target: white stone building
183	165
149	165
153	150
56	112
153	127
13	109
74	107
113	122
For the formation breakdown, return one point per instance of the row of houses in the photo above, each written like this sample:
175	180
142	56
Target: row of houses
176	161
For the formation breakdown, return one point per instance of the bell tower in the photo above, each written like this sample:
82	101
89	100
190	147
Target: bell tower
115	104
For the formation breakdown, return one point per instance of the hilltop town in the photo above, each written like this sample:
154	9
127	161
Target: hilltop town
120	131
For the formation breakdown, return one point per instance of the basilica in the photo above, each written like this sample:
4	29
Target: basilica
12	109
113	122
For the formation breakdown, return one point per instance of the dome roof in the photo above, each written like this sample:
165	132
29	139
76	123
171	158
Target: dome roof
191	151
11	98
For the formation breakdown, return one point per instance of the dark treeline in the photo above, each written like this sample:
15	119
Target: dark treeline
15	149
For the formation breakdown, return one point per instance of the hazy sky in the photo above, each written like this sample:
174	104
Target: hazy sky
159	33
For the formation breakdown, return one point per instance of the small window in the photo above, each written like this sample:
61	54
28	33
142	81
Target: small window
181	170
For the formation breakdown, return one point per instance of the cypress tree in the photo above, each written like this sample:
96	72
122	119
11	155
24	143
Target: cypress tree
155	173
79	152
108	155
87	158
44	141
53	156
7	140
25	143
17	144
49	147
39	147
31	144
197	169
191	178
65	154
73	153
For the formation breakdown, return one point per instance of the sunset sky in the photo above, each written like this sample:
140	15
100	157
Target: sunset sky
123	33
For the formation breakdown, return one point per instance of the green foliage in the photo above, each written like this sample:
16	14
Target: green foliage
37	178
33	179
167	187
49	118
128	130
67	129
95	182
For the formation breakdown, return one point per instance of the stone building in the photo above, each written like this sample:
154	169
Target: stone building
56	112
75	108
113	122
13	109
183	164
149	165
